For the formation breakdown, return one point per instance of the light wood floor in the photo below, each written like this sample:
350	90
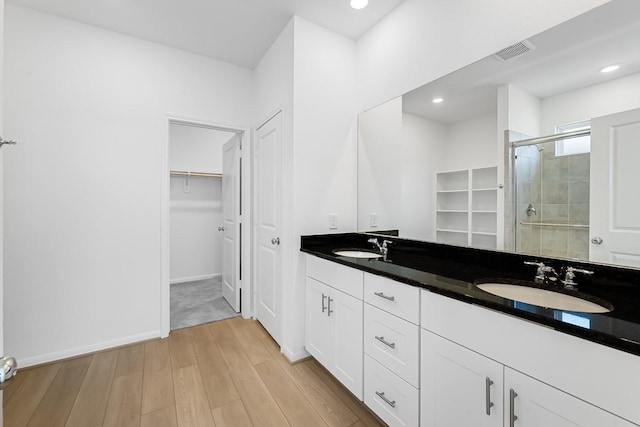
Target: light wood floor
227	373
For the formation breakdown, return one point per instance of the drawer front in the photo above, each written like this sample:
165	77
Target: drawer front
390	397
346	279
396	298
393	342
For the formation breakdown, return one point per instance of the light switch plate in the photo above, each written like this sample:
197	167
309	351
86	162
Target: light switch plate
373	219
333	221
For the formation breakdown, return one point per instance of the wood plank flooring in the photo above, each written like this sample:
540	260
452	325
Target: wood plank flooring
226	373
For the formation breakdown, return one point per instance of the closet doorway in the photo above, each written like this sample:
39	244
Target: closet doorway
204	223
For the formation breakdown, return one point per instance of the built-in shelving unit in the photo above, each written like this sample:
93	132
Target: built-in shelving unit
467	207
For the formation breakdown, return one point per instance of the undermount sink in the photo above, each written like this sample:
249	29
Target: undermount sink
357	254
543	298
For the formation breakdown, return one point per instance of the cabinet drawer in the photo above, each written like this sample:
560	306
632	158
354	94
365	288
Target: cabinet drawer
390	397
392	342
346	279
394	297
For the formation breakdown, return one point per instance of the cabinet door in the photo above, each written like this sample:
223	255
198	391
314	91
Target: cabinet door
459	387
317	326
345	312
537	404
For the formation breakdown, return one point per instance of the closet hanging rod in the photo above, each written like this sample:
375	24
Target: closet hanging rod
201	174
551	138
549	224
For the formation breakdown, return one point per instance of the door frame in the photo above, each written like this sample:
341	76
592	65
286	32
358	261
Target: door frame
245	146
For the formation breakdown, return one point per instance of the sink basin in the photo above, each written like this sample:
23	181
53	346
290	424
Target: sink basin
357	254
542	298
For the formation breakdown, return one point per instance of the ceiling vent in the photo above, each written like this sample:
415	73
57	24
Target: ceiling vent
514	50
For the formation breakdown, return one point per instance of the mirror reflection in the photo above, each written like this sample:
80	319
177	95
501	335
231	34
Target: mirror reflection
463	160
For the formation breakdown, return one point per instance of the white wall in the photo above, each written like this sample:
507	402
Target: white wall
422	40
594	101
470	144
423	145
380	155
324	155
524	112
83	193
196	148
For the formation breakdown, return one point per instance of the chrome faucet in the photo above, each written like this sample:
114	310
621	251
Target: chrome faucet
544	274
570	274
383	249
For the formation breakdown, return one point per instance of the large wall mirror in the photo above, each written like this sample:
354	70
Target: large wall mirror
535	149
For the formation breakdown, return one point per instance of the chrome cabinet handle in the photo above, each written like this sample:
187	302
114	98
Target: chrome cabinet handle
329	311
488	403
385	342
275	241
597	240
382	295
323	306
220	228
391	403
512	408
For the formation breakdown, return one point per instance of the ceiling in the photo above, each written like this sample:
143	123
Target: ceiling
566	57
234	31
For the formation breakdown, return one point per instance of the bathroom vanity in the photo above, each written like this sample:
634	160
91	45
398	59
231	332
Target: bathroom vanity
418	341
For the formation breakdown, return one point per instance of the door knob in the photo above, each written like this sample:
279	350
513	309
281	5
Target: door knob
275	241
597	240
220	228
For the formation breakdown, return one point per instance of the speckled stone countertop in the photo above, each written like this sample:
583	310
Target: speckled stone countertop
453	271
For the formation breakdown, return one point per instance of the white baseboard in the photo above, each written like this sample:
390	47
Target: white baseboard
194	278
78	351
294	356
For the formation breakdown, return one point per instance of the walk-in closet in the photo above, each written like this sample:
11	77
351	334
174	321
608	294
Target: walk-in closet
197	224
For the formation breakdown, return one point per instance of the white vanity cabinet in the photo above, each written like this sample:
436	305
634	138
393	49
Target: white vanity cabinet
392	350
459	387
531	403
334	316
483	368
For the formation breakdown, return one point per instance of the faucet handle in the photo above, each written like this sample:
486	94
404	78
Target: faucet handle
386	242
570	274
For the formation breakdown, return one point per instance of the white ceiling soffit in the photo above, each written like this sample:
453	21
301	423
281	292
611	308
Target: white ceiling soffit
566	57
234	31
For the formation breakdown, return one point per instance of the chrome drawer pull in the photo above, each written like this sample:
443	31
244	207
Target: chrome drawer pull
382	295
488	403
385	342
324	307
391	403
512	408
329	301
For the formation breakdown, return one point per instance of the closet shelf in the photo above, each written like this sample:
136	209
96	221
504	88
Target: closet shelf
445	230
200	174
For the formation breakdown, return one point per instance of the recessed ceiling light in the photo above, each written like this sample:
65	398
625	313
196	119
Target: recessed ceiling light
610	68
359	4
437	100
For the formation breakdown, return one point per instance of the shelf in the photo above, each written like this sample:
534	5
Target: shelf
443	230
483	233
452	191
467	207
453	181
485	189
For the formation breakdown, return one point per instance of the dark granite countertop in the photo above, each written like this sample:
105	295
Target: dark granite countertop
452	271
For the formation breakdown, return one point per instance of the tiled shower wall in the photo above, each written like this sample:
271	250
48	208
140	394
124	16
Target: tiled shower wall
558	188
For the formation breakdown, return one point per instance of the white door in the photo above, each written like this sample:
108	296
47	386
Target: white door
231	213
531	403
614	219
268	180
459	387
